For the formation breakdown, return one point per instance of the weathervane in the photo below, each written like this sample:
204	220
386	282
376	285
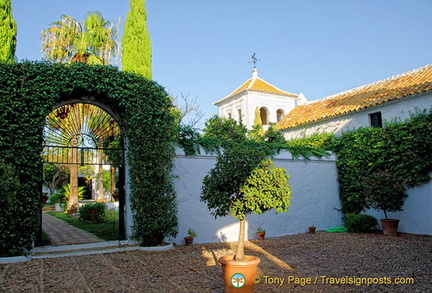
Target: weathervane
255	60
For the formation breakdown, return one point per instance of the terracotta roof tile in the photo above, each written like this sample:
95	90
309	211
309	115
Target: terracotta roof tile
414	82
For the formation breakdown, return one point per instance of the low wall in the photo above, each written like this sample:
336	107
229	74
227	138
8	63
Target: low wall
315	200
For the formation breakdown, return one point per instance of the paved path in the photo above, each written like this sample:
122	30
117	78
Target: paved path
61	233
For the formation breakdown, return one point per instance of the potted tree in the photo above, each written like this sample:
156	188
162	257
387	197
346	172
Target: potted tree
244	182
383	191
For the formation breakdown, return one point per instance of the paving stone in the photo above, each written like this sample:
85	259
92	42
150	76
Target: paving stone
325	259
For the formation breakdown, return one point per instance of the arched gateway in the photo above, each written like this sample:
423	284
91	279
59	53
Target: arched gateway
30	91
86	142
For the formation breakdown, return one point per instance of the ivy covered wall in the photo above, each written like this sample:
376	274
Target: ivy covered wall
30	90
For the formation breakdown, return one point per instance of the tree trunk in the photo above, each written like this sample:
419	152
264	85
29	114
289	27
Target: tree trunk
240	255
100	192
73	197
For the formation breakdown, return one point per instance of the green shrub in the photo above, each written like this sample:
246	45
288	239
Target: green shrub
89	209
359	222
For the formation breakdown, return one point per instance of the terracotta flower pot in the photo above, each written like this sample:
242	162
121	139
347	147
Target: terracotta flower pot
261	235
390	226
188	240
238	275
312	230
94	219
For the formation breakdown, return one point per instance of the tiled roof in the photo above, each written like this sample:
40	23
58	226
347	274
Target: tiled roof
257	84
407	84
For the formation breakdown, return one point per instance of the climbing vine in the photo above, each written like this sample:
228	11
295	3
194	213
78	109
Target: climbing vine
30	90
402	149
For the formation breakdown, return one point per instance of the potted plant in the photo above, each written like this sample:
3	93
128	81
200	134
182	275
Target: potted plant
383	191
191	235
260	233
312	229
115	194
93	212
244	182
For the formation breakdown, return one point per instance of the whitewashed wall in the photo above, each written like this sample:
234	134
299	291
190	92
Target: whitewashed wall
315	200
399	110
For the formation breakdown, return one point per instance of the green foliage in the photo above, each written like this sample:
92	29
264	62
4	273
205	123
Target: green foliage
136	44
273	135
187	139
12	231
8	32
359	222
191	233
28	93
114	151
89	209
227	130
387	158
383	191
323	141
93	42
244	182
54	176
66	192
257	132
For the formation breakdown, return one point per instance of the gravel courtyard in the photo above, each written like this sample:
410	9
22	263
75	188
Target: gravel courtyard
321	262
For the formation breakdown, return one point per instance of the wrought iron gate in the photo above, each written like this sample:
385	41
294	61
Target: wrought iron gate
84	134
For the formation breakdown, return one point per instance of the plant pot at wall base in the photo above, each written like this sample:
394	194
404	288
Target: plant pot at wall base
312	230
238	275
390	226
188	240
261	235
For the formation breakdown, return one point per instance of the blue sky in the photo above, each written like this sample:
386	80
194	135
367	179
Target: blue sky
314	47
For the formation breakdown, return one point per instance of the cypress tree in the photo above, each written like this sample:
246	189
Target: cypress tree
8	32
136	45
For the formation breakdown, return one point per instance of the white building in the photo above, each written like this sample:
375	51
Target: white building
392	99
272	102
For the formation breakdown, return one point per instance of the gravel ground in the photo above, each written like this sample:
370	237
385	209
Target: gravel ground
326	260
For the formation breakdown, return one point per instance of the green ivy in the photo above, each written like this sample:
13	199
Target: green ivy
29	91
403	150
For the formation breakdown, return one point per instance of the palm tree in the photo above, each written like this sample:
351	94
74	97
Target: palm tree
94	41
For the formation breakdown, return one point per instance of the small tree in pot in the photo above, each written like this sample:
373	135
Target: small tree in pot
383	191
244	182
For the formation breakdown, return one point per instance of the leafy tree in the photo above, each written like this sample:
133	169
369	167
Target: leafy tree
136	45
54	175
244	182
93	42
274	135
257	132
8	31
224	129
